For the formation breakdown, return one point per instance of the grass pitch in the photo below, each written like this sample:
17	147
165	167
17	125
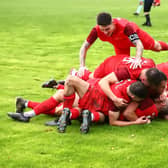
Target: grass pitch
41	40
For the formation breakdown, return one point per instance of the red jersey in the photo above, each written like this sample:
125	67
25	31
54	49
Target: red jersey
120	68
122	36
95	99
164	68
147	108
120	89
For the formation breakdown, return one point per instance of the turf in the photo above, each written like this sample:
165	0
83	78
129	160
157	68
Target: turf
41	40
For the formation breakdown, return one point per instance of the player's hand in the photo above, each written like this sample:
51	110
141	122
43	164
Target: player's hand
143	120
81	71
136	63
119	102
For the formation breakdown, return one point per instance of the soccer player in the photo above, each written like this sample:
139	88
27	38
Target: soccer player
92	99
147	110
147	8
119	70
123	35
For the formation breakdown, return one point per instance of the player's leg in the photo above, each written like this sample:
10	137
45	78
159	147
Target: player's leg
139	8
147	8
150	44
89	117
160	46
46	107
72	84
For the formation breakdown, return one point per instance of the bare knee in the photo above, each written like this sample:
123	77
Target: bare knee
70	80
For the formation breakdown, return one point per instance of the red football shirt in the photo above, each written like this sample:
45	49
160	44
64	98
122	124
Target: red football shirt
120	68
120	89
119	39
147	108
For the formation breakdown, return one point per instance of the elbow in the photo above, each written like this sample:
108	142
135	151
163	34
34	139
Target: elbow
111	119
127	115
130	116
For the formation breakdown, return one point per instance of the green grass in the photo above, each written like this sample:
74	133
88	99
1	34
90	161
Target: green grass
41	39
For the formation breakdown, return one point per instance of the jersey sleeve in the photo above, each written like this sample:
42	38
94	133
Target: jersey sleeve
147	108
92	36
131	32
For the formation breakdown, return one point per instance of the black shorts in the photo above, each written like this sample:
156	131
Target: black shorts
147	5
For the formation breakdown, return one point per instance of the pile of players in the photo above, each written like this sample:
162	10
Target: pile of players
122	89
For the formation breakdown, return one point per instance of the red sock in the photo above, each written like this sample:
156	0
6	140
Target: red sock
32	104
74	113
59	86
68	101
46	105
96	116
86	75
164	45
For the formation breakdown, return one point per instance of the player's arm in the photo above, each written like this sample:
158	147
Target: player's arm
85	46
83	52
134	38
105	86
139	48
129	112
113	120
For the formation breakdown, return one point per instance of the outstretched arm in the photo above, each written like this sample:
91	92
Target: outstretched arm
130	31
113	120
83	52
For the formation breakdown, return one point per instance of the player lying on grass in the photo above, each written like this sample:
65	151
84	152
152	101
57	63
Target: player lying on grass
146	75
147	108
94	100
123	35
52	106
104	70
116	69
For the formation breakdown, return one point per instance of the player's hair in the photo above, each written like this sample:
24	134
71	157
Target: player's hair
155	77
104	19
138	89
163	111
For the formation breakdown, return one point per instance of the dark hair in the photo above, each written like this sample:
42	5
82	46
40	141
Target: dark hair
104	19
155	77
163	112
138	89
